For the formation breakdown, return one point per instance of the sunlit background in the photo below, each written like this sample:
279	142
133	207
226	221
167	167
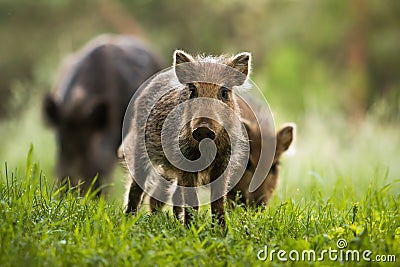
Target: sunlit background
332	67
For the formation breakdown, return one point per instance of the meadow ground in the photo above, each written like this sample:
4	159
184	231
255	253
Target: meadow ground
339	187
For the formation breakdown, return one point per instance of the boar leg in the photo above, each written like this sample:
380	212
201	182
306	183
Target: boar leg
159	197
155	205
190	197
192	201
241	188
177	200
135	197
135	191
187	197
218	193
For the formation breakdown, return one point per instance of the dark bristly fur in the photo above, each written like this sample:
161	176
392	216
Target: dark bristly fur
89	102
134	148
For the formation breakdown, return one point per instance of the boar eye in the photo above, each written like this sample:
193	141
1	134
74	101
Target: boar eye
224	93
193	90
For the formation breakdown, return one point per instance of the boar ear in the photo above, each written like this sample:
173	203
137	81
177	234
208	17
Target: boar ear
284	138
184	72
51	110
98	117
241	62
182	57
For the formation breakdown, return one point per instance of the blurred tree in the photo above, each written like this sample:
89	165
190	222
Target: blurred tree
357	63
334	51
30	31
120	20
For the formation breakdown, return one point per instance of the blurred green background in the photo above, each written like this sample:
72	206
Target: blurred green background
332	67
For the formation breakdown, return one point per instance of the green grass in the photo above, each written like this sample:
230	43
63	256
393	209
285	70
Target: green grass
339	182
43	226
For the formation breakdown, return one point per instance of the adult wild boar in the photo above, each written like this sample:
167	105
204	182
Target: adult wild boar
88	105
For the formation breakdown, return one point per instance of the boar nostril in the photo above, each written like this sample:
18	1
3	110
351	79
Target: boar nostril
203	132
211	135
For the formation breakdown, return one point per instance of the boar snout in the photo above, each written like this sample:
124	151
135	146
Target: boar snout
203	132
